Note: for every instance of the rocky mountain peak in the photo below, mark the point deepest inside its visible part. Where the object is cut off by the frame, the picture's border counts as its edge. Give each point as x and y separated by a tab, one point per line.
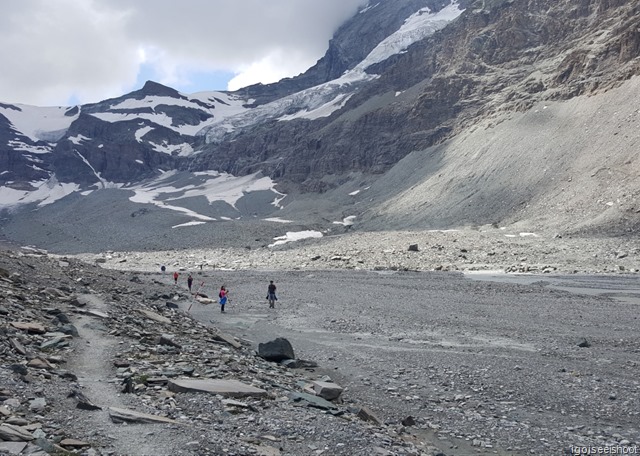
155	88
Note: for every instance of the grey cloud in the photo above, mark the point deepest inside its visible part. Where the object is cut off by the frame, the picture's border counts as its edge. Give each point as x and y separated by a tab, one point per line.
54	49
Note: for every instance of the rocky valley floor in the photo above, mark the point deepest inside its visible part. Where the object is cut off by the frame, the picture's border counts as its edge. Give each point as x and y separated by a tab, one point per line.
430	360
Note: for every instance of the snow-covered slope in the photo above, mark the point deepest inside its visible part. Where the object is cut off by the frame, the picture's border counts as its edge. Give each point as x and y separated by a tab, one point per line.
323	100
39	123
210	106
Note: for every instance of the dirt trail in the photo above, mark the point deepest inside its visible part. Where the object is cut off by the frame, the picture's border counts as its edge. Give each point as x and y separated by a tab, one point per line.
96	375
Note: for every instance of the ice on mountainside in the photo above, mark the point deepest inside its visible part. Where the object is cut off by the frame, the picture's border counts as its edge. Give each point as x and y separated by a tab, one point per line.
324	99
39	123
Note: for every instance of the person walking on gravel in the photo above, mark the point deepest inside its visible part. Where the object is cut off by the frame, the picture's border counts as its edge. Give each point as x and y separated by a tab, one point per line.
271	294
223	297
175	277
189	282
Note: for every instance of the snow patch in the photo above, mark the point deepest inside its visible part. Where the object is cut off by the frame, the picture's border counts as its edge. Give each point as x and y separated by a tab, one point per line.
46	192
39	123
18	145
364	10
417	27
347	221
78	139
293	236
219	105
277	220
141	132
212	185
324	110
194	223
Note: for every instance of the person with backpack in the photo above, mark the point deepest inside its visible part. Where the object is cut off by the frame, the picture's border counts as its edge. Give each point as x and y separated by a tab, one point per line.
189	282
175	277
271	295
223	297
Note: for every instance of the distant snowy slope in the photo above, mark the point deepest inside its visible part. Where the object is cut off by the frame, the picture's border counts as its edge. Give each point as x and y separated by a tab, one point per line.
39	123
204	107
172	190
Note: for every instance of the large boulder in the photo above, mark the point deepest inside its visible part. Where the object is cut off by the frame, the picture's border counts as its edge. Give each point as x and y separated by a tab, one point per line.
277	350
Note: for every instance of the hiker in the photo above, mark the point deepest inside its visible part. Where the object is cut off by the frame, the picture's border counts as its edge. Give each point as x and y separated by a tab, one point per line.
271	294
223	297
163	268
175	277
189	282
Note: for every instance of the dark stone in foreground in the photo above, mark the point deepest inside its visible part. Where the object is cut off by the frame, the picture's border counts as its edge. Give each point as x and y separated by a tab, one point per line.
276	350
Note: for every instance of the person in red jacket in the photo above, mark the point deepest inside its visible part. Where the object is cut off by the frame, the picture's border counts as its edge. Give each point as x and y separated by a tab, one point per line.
175	277
223	297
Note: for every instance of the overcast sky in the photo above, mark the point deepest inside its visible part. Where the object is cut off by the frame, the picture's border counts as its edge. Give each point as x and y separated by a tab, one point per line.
63	52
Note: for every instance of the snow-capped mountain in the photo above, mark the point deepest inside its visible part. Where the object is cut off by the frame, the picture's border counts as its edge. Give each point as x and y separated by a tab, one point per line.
409	120
118	142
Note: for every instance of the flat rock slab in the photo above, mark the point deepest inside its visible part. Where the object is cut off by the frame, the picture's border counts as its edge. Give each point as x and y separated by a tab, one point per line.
226	388
29	327
74	443
12	447
154	316
313	401
120	415
11	433
226	338
17	346
97	313
40	363
327	390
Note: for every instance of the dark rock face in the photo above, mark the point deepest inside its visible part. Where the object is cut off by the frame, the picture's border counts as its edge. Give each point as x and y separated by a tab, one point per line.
349	46
16	164
497	56
113	152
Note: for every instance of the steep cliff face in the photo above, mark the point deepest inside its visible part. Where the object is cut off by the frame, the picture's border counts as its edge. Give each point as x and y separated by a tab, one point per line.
497	56
349	46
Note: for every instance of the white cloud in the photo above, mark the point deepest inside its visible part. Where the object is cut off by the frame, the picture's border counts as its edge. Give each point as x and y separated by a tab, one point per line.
94	49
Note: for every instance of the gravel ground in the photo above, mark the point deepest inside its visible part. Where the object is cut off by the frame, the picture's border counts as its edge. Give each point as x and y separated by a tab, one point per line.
483	367
477	363
483	249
